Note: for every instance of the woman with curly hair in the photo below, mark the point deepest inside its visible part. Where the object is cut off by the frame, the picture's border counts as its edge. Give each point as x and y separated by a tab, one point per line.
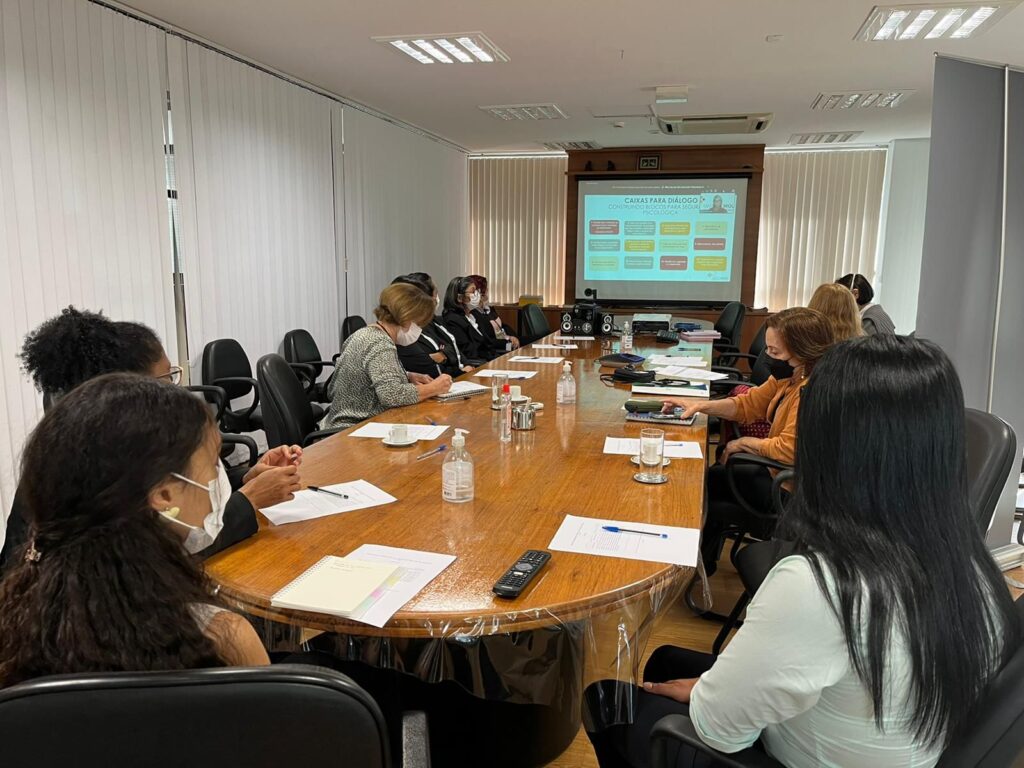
105	584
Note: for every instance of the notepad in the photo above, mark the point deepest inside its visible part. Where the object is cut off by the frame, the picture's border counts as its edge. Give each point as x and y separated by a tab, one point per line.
335	585
462	389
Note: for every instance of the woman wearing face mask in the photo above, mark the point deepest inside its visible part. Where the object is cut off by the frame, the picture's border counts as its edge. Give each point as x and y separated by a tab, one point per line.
461	298
368	377
795	340
103	552
501	336
76	346
435	352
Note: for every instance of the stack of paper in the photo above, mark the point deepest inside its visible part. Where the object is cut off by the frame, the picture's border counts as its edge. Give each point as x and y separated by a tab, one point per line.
511	374
628	540
707	335
417	431
674	449
528	359
309	505
689	374
414	570
335	585
555	346
462	389
660	361
693	390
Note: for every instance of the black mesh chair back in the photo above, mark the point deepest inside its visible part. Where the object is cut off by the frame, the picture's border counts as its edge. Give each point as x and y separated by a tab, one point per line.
300	347
209	718
287	414
351	324
991	449
532	324
730	322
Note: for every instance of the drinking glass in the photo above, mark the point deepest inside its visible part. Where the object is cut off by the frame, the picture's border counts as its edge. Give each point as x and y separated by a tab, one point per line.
498	382
652	454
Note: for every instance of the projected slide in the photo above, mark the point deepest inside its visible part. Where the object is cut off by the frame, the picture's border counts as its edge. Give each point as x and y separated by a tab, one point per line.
643	238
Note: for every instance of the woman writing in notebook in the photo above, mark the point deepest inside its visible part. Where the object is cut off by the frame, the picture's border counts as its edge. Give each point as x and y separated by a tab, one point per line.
105	583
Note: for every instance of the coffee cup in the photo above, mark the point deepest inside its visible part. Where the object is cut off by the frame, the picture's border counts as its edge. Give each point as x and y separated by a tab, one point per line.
398	433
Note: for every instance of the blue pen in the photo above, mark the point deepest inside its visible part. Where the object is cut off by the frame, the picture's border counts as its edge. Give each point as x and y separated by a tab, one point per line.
616	529
430	421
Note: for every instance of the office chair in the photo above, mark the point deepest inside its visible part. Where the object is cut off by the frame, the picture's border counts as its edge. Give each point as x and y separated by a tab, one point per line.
730	325
288	416
216	399
532	324
300	349
204	718
351	324
730	356
993	738
226	365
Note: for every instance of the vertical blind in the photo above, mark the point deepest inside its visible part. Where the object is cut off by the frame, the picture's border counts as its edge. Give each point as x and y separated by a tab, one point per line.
83	200
404	208
253	161
517	225
819	220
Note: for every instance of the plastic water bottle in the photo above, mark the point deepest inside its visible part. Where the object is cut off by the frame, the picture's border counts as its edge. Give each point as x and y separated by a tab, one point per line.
627	337
457	471
506	415
566	386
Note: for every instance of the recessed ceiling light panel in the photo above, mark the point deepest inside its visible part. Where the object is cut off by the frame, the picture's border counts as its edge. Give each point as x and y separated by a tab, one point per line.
955	21
567	146
883	99
824	137
458	48
526	112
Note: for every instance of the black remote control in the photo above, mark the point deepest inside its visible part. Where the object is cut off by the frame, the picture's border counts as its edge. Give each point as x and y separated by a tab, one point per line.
518	576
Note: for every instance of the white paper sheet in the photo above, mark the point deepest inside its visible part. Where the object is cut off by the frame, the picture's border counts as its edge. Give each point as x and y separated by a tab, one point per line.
674	449
417	569
460	389
527	359
380	430
584	535
309	505
555	346
574	338
511	374
685	361
692	374
700	390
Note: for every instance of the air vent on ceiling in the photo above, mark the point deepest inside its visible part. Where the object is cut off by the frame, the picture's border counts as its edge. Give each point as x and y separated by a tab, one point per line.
459	48
850	99
569	146
825	137
526	112
710	125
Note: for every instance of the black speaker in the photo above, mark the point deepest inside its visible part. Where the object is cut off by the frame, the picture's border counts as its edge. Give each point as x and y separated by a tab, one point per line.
607	324
566	324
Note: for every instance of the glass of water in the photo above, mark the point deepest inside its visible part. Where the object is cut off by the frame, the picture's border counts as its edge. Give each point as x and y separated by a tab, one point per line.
652	455
498	382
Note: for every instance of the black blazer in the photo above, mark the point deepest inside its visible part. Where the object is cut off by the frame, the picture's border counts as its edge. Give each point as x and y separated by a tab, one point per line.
415	358
239	524
484	320
473	343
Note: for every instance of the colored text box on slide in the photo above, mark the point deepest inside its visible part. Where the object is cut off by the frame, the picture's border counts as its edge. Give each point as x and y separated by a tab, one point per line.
604	263
604	227
605	246
675	227
709	243
639	228
712	227
710	263
670	263
639	262
674	245
641	246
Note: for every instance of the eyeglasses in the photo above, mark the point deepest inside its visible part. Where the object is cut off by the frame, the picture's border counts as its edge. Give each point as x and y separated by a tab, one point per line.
173	375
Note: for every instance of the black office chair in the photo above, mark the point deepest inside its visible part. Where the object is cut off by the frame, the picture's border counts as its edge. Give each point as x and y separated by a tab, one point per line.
205	718
730	325
226	365
288	416
994	737
729	357
350	325
216	399
300	348
532	324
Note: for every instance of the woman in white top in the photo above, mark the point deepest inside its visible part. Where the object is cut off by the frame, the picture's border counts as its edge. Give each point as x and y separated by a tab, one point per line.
120	473
872	644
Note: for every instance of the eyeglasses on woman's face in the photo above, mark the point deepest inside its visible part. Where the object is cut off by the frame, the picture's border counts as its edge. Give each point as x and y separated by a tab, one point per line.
173	375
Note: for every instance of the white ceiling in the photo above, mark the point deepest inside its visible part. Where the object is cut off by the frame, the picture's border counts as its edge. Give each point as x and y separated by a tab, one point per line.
584	54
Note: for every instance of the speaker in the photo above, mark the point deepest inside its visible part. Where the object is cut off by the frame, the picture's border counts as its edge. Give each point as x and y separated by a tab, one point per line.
607	324
566	324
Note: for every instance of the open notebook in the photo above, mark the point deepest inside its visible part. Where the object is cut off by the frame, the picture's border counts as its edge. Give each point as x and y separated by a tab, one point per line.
335	585
461	389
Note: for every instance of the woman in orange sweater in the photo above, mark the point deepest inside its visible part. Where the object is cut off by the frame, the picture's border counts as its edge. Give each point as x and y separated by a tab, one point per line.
795	340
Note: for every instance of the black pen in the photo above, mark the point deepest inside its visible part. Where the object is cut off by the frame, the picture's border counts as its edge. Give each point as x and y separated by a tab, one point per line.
324	490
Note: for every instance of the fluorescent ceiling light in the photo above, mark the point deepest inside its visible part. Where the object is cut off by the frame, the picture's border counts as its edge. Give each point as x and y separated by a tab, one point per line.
951	20
824	137
461	48
526	112
849	99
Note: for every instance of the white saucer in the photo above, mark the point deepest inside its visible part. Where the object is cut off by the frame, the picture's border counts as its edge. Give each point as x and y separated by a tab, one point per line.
519	400
636	460
404	444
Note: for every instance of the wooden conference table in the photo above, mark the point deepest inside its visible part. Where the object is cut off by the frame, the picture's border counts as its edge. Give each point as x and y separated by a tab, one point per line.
523	491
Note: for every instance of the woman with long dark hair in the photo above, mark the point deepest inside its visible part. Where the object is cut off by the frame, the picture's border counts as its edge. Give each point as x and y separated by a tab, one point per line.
460	301
435	352
105	583
876	641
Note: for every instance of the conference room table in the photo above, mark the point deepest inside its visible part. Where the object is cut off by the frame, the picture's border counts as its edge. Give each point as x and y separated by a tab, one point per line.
583	617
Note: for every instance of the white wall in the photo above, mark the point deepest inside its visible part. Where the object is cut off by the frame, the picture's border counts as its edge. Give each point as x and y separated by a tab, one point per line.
901	236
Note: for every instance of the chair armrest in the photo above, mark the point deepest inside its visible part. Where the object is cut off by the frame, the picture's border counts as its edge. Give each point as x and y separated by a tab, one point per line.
724	345
248	442
736	373
243	380
334	358
780	479
673	730
320	434
759	461
415	740
306	374
215	396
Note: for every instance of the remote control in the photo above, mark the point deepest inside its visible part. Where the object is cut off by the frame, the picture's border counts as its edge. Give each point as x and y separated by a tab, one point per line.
667	337
518	576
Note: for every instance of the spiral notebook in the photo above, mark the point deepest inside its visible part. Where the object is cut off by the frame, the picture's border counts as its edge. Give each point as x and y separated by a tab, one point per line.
462	389
335	585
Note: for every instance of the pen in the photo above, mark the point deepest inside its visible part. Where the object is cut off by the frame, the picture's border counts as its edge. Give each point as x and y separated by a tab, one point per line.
430	421
324	490
440	449
616	529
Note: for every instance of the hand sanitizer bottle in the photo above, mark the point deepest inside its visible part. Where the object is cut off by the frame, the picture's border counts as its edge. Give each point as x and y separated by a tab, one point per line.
457	471
566	386
627	338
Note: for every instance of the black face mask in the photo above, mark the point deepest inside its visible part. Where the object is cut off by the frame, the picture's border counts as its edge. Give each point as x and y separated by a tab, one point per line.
780	369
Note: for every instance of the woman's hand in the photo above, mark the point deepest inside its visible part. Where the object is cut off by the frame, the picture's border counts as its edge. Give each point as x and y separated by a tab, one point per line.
282	456
419	378
438	357
679	690
515	342
740	445
272	486
690	407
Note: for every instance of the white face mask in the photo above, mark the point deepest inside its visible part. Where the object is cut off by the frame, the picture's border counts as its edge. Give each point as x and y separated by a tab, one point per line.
407	336
437	302
474	300
219	489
